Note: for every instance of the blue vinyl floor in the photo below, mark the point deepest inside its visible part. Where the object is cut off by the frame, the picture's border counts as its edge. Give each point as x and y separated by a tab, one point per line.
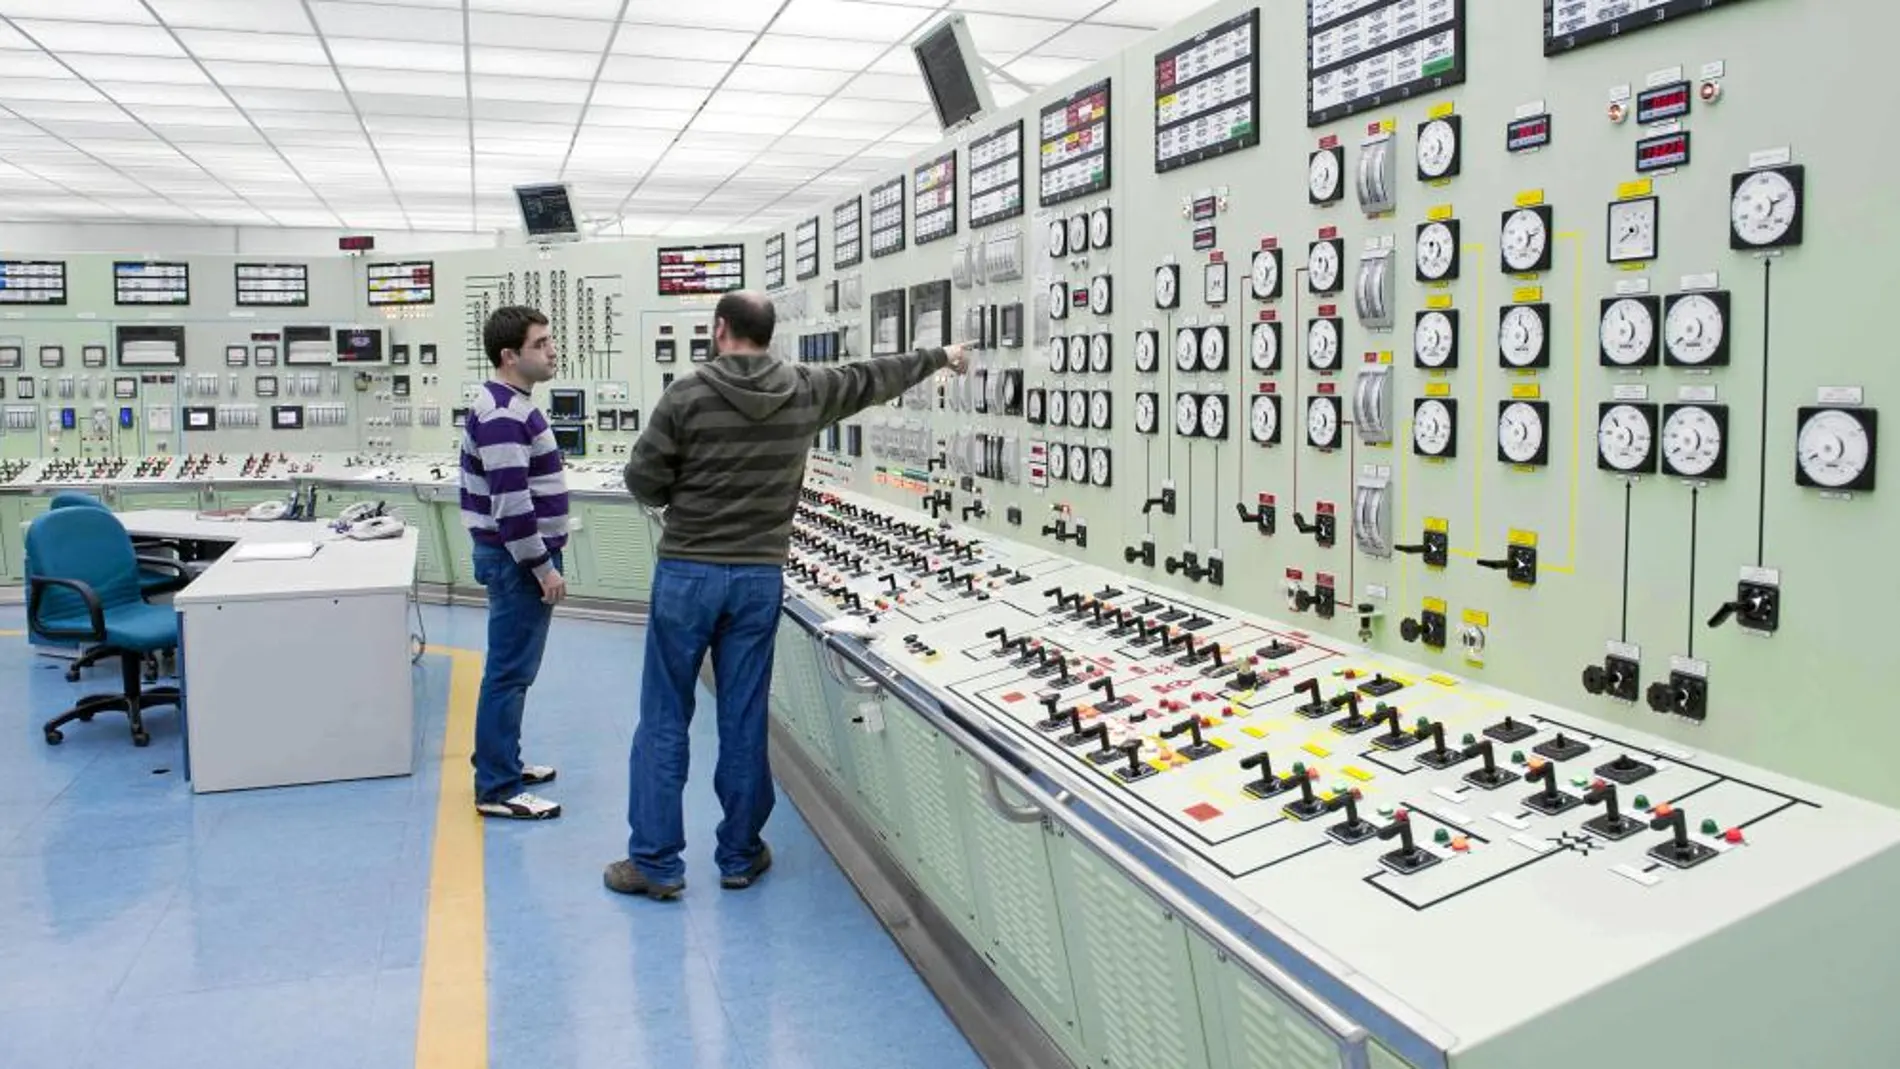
142	924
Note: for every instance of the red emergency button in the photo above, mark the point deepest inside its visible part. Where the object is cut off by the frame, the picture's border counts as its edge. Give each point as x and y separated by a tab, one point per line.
1733	835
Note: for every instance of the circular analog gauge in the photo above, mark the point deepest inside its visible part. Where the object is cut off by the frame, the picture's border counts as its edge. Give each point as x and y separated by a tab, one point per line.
1626	438
1058	239
1078	408
1437	149
1101	228
1187	413
1695	327
1146	418
1058	356
1263	418
1323	174
1147	354
1521	336
1526	241
1322	344
1692	442
1633	230
1266	274
1058	408
1167	285
1187	348
1835	449
1765	209
1078	353
1322	422
1432	427
1099	414
1058	300
1322	267
1100	295
1520	432
1011	390
1434	340
1032	406
1058	461
1078	233
1099	346
1628	333
1264	349
1437	253
1078	463
1214	415
1098	466
1214	349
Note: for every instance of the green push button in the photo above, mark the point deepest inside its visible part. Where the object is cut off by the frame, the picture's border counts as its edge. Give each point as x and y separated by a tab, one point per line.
1441	836
1710	827
1642	801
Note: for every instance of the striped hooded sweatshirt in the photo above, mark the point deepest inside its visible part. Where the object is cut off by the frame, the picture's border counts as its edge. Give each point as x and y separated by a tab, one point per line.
724	450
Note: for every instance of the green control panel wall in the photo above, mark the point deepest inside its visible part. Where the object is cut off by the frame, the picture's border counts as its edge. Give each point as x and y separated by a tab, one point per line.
1532	344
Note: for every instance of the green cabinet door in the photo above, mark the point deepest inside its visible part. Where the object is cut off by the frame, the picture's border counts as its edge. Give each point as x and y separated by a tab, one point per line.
619	554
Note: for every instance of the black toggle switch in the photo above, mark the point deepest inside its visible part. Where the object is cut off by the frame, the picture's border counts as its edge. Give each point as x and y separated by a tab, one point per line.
1268	784
1684	695
1315	706
1354	721
1562	748
1352	830
1679	850
1436	549
1550	801
1135	769
1757	607
1519	564
1055	720
1309	805
1105	753
1096	732
1198	748
1440	756
1408	858
1617	677
1262	517
1612	825
1625	770
1509	730
1490	777
1002	639
1395	737
1275	650
1323	528
1145	553
1166	501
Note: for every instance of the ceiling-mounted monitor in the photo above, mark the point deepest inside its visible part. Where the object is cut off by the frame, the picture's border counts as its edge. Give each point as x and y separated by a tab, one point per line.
953	72
547	212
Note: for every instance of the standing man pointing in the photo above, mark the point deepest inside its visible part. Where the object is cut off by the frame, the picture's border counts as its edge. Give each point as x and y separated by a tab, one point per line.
724	454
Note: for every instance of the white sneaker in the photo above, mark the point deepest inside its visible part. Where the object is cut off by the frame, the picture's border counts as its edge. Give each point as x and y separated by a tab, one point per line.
535	775
523	806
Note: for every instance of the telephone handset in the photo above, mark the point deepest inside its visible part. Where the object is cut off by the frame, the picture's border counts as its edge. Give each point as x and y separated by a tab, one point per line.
360	511
267	510
375	527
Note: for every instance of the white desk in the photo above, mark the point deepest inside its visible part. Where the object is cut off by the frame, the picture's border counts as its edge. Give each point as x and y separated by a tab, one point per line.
293	671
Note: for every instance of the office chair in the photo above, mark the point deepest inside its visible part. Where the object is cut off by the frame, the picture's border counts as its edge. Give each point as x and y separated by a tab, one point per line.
82	585
158	572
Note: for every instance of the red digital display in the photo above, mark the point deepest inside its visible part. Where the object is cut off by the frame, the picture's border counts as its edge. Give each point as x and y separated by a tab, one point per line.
1663	102
1525	134
1660	153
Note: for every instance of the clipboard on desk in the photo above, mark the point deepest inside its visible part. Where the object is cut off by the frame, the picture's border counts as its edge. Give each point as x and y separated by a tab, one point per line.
274	551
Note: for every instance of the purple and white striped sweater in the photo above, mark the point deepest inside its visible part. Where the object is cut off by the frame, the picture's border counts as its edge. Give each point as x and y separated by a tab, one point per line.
514	494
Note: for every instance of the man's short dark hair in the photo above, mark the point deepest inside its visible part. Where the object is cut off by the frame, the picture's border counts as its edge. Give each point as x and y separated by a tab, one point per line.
507	328
749	317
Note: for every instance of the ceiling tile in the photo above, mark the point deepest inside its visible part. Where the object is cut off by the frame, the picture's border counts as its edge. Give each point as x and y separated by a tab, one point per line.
1151	14
394	55
206	96
759	77
12	89
103	68
271	75
667	73
283	105
1041	70
364	80
607	95
849	20
875	113
673	42
118	38
750	15
541	30
442	106
908	87
1090	42
533	63
744	124
786	50
379	22
999	37
254	47
736	102
563	116
1054	9
542	89
233	15
306	119
614	121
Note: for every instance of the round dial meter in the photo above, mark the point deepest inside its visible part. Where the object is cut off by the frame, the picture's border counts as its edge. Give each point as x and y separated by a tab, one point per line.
1264	347
1058	356
1214	348
1187	348
1266	274
1078	233
1438	148
1078	408
1432	427
1101	228
1167	286
1322	344
1521	432
1214	415
1626	438
1628	333
1693	442
1521	336
1695	329
1765	208
1187	414
1322	267
1324	174
1835	449
1058	408
1437	255
1098	466
1147	351
1322	422
1526	241
1146	418
1099	351
1058	239
1435	340
1263	418
1078	463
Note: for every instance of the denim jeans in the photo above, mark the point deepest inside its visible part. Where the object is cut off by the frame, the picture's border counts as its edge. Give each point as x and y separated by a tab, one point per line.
733	611
517	633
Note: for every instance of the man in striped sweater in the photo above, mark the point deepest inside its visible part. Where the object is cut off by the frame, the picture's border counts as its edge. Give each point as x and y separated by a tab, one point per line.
514	504
724	454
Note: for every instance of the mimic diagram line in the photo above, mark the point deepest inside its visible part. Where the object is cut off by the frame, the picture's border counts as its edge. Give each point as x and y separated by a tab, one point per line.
1761	510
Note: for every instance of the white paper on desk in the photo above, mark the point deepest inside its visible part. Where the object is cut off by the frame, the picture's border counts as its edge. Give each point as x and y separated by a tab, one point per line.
274	551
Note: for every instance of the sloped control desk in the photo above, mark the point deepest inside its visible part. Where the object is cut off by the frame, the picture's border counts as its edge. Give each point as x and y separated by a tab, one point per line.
296	670
1268	848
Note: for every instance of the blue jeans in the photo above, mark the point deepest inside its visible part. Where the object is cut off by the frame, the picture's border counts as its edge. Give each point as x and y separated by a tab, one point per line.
517	633
732	610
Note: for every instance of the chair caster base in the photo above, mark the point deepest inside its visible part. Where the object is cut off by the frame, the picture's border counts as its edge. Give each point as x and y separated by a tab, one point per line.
54	737
140	738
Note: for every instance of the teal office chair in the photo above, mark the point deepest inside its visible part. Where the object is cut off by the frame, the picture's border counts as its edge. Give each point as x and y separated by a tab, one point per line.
82	585
159	571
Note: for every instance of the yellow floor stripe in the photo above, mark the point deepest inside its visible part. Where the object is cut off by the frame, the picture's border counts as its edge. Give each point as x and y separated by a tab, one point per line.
452	1027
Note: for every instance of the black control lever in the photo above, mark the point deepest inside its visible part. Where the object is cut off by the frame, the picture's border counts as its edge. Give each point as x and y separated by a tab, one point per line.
1002	637
1145	553
1166	501
1612	824
1267	785
1106	685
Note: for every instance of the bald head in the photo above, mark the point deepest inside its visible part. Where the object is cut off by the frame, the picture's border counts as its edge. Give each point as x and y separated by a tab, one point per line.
743	322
